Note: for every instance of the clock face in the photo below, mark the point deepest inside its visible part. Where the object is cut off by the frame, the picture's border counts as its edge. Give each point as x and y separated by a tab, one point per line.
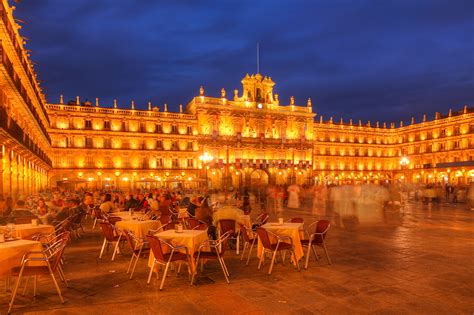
259	106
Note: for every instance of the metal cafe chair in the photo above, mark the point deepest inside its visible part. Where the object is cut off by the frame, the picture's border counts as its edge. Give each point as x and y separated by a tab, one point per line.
214	250
138	248
165	259
296	220
191	223
110	237
317	239
226	225
260	220
98	216
51	258
274	248
201	226
249	237
165	219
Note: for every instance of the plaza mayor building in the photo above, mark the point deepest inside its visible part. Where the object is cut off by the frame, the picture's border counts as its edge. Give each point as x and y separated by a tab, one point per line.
243	138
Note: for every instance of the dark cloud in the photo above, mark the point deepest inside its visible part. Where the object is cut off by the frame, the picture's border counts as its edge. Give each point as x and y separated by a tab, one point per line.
369	60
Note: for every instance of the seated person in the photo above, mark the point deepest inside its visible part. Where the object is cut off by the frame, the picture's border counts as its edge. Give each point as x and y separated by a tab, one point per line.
130	202
142	202
107	206
195	203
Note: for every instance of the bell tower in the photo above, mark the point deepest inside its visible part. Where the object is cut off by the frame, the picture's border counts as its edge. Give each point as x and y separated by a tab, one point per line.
257	88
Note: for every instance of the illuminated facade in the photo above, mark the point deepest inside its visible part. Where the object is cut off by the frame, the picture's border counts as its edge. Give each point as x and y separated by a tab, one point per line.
24	140
252	138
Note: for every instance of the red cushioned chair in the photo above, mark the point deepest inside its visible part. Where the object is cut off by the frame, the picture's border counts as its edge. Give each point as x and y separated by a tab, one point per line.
274	248
165	259
317	239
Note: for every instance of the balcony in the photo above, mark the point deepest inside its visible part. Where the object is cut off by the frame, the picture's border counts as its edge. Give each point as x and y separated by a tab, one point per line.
24	61
15	131
16	81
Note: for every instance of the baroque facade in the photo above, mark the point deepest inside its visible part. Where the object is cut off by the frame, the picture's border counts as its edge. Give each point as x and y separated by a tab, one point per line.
252	139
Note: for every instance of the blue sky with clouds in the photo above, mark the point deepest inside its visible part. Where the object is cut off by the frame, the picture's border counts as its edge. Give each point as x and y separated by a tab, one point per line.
360	59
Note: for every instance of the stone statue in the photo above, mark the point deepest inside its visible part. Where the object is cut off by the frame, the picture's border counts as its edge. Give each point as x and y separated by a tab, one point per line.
223	93
201	91
292	100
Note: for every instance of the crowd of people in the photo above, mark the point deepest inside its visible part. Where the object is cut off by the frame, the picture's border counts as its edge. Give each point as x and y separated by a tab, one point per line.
57	204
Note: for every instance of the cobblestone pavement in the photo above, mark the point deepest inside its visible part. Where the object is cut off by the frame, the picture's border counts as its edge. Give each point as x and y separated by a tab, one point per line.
418	260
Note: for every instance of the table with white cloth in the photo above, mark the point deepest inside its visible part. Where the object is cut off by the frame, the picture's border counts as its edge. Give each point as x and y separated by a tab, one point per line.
191	239
293	230
138	228
11	253
125	215
28	230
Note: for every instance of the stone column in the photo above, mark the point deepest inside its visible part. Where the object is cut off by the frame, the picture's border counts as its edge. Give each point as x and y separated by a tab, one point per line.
1	170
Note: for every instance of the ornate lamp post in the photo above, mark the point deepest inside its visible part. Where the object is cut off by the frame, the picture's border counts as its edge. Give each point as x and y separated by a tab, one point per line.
206	159
404	162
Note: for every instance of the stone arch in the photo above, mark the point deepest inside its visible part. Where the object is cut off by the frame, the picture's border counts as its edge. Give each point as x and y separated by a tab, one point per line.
259	178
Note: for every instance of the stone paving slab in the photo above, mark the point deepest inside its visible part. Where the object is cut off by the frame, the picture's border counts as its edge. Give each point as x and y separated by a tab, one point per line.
419	261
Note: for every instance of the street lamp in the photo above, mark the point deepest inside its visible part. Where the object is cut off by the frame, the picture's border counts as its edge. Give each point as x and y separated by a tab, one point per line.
206	158
404	161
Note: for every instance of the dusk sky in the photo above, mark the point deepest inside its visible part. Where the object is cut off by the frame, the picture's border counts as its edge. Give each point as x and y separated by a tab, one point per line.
369	60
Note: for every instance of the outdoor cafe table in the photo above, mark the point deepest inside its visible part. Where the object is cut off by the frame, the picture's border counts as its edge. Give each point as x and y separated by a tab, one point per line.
26	231
125	215
191	239
11	253
293	230
138	228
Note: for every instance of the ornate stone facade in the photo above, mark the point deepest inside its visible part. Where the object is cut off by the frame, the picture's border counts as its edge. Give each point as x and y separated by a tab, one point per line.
253	141
253	137
24	140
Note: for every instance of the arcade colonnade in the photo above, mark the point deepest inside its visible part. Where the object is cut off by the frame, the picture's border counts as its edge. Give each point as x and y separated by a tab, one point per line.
20	172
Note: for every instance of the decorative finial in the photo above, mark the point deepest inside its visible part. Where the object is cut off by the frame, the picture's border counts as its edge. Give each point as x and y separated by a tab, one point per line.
223	93
412	120
115	103
78	102
350	121
321	119
133	104
368	123
61	99
292	100
277	101
384	124
377	124
340	121
180	108
450	113
149	105
236	94
96	102
465	109
330	120
437	115
424	118
201	91
309	103
360	123
166	107
401	123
